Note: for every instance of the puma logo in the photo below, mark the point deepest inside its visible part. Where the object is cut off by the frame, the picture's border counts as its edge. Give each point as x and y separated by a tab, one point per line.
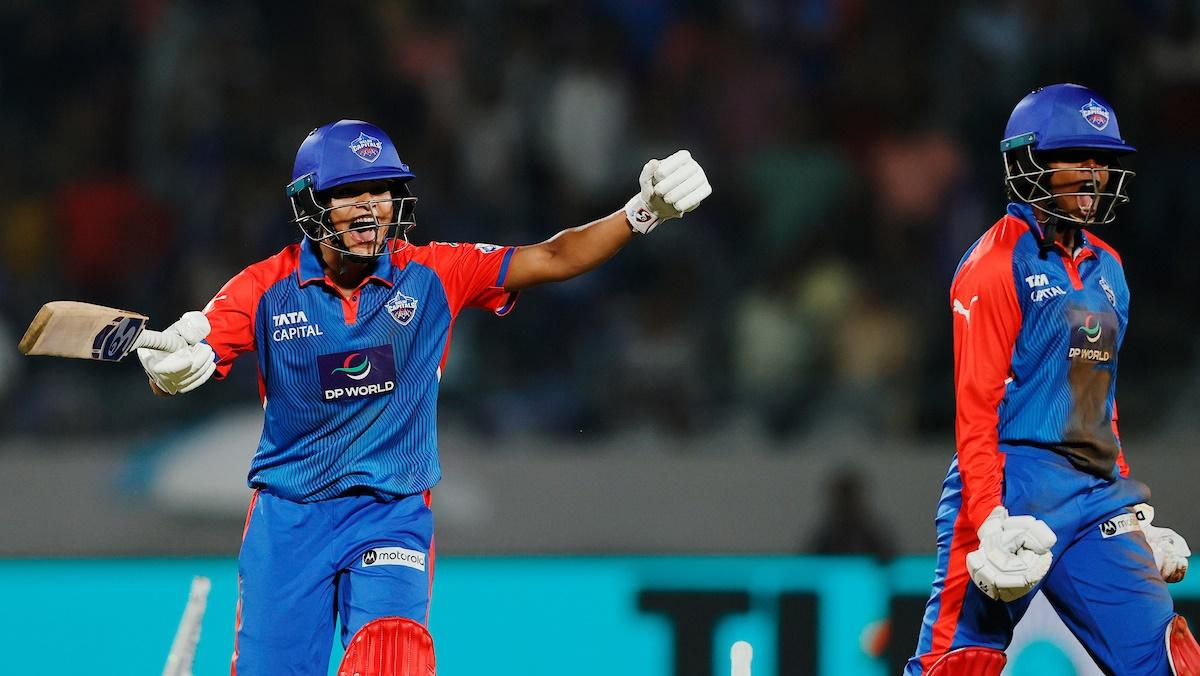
965	311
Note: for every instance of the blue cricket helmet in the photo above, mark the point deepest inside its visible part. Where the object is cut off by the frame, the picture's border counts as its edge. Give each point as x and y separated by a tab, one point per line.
1058	122
342	152
346	151
1064	116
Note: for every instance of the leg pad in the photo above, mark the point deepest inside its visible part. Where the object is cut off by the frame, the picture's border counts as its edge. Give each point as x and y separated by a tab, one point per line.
969	662
390	646
1182	650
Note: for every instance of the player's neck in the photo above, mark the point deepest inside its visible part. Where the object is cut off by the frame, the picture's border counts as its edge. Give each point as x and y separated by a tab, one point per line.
1068	238
345	273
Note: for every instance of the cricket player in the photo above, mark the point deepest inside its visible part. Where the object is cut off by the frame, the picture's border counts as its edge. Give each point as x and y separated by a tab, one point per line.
351	328
1039	495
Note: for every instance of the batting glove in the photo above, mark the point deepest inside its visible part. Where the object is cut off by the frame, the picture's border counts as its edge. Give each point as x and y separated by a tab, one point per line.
1013	555
1170	549
670	188
185	369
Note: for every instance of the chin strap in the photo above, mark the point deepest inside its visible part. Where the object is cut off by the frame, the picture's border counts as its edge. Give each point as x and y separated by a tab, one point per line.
1047	234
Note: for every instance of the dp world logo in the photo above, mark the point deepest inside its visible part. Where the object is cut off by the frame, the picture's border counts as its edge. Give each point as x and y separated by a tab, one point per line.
366	147
365	372
1091	328
355	371
1095	114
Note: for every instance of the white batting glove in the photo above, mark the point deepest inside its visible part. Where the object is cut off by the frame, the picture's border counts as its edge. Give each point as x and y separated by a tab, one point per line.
1170	549
186	369
670	188
1013	555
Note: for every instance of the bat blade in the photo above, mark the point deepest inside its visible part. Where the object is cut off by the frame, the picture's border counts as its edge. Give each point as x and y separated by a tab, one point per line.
67	328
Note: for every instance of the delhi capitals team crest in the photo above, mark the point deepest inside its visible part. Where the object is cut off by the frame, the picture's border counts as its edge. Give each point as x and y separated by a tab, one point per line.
1108	292
368	148
402	308
1095	114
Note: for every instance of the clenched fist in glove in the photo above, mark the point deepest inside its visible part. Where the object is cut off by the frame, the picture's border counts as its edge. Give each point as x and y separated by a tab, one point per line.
1170	549
185	369
670	188
1013	555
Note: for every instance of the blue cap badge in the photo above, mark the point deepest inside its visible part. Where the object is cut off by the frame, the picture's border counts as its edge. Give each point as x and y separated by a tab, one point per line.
1095	114
369	147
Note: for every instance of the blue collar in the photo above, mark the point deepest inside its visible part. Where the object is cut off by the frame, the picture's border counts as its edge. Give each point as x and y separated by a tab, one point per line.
1025	213
310	269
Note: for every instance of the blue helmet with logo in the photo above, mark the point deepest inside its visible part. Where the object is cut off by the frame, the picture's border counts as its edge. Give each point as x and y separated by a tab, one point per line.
1065	122
341	153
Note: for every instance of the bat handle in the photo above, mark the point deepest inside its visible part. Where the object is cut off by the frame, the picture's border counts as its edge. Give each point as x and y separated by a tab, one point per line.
157	340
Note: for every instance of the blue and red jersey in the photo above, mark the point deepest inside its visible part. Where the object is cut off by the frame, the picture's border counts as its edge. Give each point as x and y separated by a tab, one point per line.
349	384
1036	339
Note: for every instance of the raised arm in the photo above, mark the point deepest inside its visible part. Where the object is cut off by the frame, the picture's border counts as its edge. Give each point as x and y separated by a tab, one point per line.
669	189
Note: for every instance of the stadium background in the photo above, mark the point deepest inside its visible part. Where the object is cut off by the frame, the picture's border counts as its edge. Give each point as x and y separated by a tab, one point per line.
768	377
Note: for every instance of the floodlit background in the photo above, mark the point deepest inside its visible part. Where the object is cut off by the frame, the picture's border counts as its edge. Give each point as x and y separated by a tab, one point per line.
769	376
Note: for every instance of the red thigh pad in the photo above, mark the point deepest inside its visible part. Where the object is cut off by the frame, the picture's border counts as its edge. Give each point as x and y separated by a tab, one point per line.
1182	650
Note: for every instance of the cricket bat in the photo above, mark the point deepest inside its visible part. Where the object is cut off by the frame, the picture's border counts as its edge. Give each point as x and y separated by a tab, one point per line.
67	328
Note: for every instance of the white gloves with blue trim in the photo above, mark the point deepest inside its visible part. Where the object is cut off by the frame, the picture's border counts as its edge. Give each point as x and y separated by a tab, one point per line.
670	188
1013	555
186	369
1170	549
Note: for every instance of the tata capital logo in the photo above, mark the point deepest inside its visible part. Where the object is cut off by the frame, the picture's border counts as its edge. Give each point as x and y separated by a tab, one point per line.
1092	333
1095	114
357	372
366	147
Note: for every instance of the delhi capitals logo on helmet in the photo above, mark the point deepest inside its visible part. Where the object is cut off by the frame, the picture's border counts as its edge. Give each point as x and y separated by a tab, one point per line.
358	371
1092	333
402	308
368	148
1095	114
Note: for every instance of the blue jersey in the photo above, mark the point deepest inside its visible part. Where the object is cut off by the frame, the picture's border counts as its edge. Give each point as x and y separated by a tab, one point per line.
1036	339
1035	343
349	385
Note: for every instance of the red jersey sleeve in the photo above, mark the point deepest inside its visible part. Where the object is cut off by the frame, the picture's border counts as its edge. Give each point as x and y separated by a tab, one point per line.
987	319
232	311
473	275
231	315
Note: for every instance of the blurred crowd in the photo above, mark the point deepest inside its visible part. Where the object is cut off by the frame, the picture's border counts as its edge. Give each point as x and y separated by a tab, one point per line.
852	146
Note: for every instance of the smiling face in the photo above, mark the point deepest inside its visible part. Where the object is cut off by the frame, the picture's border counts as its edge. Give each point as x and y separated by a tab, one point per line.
361	213
1077	184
